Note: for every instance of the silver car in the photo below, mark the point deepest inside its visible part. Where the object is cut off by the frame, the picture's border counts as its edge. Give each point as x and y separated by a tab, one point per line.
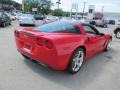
26	19
50	18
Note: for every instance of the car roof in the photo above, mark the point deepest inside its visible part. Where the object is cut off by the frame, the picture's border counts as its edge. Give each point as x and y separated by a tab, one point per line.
75	22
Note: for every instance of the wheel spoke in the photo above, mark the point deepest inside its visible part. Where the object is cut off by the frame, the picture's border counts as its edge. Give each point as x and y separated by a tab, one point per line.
78	60
74	67
109	45
118	34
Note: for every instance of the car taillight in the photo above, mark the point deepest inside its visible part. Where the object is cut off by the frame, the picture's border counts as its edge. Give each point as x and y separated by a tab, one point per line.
17	33
40	41
48	44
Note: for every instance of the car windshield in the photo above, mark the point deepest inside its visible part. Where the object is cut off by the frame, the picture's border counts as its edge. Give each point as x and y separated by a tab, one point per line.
55	27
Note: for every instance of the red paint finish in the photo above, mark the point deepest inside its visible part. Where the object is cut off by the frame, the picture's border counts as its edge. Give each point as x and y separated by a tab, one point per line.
55	49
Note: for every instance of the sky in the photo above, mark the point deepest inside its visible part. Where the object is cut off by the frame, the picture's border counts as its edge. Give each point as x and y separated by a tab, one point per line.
109	5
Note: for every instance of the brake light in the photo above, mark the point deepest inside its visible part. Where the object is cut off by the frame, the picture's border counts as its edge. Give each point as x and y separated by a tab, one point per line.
48	44
17	34
40	41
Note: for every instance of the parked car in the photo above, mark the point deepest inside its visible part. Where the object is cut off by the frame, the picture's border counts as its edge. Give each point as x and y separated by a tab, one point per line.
39	17
117	32
118	22
26	19
4	19
101	23
68	18
18	16
65	18
112	22
84	20
50	18
12	16
62	45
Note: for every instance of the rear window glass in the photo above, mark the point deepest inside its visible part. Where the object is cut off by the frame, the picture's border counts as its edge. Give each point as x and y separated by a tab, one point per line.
65	27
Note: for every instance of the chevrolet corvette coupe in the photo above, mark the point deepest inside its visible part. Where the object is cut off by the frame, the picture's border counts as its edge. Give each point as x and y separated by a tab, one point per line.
61	45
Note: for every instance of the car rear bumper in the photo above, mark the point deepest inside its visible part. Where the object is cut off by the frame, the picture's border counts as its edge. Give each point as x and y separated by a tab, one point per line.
45	56
31	22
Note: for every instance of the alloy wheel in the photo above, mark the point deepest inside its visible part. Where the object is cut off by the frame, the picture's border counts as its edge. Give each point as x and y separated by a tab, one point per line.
109	45
118	34
77	61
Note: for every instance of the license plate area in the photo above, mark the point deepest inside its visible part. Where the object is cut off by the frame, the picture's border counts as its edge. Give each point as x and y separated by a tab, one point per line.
28	47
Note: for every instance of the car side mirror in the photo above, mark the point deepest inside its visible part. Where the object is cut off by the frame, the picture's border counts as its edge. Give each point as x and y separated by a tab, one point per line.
101	34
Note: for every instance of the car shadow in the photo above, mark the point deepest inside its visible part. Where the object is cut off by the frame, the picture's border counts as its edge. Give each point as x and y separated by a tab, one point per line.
91	70
27	25
1	27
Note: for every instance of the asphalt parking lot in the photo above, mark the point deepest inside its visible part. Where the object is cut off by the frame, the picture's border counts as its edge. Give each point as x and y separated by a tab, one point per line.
101	72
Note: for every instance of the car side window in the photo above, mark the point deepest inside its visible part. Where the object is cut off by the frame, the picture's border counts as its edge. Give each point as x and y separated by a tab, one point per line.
72	29
6	16
89	30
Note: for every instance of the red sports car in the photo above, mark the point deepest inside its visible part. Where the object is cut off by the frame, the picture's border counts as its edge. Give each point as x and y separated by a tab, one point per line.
61	45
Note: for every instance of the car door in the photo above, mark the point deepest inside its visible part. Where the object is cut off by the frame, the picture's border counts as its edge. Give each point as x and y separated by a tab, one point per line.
6	18
101	37
95	40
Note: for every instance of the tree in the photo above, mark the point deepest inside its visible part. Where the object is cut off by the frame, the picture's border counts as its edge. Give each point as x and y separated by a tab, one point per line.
66	14
9	4
42	5
57	12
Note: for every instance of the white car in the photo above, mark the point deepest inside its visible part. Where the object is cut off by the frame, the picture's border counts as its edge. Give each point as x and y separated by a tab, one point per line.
18	16
50	18
102	23
117	22
26	19
12	16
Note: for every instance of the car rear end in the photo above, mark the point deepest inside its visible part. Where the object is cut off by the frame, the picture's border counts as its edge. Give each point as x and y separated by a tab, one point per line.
50	19
37	46
27	19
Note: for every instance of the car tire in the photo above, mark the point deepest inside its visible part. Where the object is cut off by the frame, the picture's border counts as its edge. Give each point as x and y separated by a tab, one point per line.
76	61
105	26
20	24
3	24
108	46
117	34
33	25
10	23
